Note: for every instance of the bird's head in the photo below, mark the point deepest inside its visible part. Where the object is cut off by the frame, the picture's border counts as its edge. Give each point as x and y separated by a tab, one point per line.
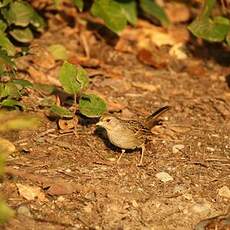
108	122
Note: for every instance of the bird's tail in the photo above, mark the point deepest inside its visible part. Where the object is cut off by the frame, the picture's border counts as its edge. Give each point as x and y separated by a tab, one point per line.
152	120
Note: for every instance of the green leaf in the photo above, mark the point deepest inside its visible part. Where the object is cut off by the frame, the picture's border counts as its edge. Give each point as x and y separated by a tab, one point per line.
7	45
79	4
5	212
20	13
73	79
207	9
16	121
9	90
22	35
228	38
3	26
47	101
23	83
4	3
91	105
38	22
111	12
212	30
222	20
129	9
152	9
58	51
11	103
61	111
5	59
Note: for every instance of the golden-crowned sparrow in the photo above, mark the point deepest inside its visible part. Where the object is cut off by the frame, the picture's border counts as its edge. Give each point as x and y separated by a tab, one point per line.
129	134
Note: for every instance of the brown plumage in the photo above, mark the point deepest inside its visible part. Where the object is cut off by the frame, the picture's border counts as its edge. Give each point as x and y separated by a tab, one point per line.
129	134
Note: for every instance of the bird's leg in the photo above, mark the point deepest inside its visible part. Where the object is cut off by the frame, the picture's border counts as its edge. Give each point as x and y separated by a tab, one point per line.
142	155
122	152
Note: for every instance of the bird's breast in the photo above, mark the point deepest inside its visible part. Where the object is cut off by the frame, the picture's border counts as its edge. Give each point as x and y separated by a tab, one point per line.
124	139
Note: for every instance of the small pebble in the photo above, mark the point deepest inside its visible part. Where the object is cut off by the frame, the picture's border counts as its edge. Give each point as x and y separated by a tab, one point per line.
210	149
61	199
179	189
201	208
224	192
135	204
177	148
23	210
88	208
164	177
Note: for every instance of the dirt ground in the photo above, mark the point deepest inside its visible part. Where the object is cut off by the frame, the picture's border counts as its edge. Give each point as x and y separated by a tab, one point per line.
75	178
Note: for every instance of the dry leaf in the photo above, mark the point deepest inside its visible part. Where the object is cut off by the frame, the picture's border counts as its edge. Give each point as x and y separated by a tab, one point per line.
61	188
156	59
64	124
146	86
177	12
178	51
31	192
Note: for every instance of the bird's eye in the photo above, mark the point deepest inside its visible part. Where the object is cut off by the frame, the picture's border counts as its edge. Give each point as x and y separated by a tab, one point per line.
108	120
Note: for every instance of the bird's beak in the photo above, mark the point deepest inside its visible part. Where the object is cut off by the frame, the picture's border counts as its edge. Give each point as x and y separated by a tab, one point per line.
100	123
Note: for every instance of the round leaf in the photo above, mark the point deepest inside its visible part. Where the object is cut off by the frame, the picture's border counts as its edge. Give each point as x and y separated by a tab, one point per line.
11	103
73	79
7	45
129	9
38	22
60	111
20	13
91	105
22	35
111	13
151	8
58	51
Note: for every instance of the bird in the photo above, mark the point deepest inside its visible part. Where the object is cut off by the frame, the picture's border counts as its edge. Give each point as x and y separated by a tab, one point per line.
130	134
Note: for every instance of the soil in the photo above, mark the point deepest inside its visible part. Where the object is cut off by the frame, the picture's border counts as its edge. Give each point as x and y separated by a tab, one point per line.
79	182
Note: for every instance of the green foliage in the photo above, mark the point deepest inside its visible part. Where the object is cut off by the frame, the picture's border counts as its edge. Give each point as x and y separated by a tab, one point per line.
151	9
91	105
117	13
129	9
214	29
6	45
17	19
5	212
6	63
61	111
11	92
79	4
75	81
22	35
58	51
110	11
